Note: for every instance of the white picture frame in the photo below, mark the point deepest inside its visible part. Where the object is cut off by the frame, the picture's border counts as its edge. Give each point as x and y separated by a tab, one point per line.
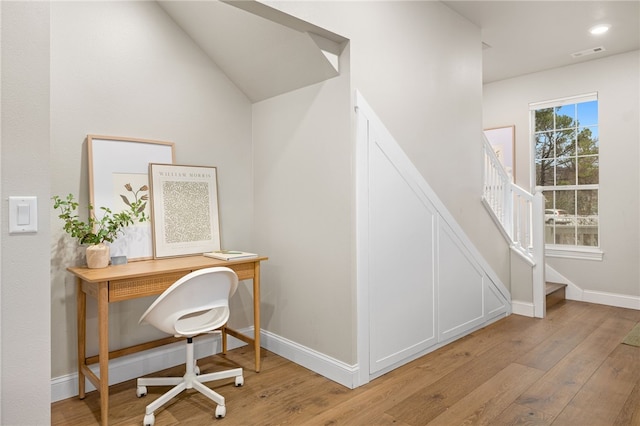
184	210
503	142
114	162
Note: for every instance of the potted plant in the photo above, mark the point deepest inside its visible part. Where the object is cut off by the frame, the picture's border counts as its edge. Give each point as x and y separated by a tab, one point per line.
96	231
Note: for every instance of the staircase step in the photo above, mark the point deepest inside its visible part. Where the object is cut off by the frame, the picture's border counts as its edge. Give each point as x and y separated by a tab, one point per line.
551	287
555	293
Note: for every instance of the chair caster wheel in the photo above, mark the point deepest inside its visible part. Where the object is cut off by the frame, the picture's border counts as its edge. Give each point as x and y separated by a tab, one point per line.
221	411
149	420
141	391
239	381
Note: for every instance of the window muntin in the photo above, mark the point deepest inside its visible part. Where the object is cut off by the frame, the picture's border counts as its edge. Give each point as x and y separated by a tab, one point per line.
567	148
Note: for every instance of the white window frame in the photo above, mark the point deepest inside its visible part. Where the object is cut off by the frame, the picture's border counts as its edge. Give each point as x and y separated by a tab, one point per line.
562	250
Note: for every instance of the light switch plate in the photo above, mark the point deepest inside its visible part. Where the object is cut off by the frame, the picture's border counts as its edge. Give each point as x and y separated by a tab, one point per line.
23	214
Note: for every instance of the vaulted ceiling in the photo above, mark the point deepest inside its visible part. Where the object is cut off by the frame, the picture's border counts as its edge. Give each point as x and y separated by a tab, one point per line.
263	57
266	52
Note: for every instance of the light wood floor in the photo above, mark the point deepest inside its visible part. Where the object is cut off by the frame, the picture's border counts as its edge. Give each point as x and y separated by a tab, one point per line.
568	369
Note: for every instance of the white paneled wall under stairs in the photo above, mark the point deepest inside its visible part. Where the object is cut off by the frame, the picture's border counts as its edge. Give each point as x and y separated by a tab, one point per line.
421	282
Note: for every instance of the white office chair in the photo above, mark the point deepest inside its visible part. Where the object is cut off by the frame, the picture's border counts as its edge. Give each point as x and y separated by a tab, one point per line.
197	303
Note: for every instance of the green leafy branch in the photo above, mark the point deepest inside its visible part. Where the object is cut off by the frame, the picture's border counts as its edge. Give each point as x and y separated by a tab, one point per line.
105	228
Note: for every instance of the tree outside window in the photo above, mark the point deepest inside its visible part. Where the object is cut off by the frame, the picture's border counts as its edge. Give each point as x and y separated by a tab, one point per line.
567	168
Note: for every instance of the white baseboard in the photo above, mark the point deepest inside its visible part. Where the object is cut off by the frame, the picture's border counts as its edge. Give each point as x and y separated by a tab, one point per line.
338	371
573	292
611	299
143	363
519	307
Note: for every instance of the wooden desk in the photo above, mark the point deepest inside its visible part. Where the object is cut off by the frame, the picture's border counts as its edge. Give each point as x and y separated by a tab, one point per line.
140	279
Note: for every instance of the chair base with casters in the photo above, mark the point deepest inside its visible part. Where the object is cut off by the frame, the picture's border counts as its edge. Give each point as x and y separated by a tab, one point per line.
195	304
191	380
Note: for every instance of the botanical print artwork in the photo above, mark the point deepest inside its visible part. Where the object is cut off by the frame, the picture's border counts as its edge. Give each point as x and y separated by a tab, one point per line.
139	198
132	190
128	189
113	163
186	207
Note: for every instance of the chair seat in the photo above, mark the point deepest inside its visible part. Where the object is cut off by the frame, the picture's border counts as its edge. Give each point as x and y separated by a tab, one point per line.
195	304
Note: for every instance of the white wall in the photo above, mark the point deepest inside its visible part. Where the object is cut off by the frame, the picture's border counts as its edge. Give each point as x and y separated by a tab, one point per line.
418	64
24	289
303	215
615	78
126	69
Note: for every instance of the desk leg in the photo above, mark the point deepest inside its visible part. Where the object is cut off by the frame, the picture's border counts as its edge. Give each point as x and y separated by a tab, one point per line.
256	313
81	308
103	349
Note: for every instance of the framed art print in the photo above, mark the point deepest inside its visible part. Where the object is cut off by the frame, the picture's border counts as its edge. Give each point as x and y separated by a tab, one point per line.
118	174
503	141
184	209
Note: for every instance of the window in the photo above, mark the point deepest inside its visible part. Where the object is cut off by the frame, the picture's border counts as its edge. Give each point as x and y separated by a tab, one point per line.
566	137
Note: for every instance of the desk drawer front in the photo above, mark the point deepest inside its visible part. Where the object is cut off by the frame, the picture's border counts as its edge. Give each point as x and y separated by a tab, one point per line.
244	270
141	287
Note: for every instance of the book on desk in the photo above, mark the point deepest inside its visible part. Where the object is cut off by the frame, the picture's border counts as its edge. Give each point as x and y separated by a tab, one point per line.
229	254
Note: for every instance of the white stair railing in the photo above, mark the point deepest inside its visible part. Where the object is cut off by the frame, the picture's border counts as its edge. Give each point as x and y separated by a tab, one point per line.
497	187
520	215
522	220
511	205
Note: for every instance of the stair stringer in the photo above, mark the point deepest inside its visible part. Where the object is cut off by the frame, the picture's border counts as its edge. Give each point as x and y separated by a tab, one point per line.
461	291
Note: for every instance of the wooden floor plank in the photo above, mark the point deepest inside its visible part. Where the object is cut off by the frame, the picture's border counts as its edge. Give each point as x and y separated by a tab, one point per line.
428	403
558	387
630	314
558	344
630	412
478	379
488	400
516	414
392	389
602	397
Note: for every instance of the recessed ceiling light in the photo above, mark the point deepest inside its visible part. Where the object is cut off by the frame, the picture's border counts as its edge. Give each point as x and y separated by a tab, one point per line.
599	29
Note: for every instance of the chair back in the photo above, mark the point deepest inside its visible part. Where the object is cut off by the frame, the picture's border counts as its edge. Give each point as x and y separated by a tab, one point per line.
195	304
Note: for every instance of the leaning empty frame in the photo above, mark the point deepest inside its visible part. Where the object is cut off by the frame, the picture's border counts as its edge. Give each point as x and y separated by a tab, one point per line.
114	163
